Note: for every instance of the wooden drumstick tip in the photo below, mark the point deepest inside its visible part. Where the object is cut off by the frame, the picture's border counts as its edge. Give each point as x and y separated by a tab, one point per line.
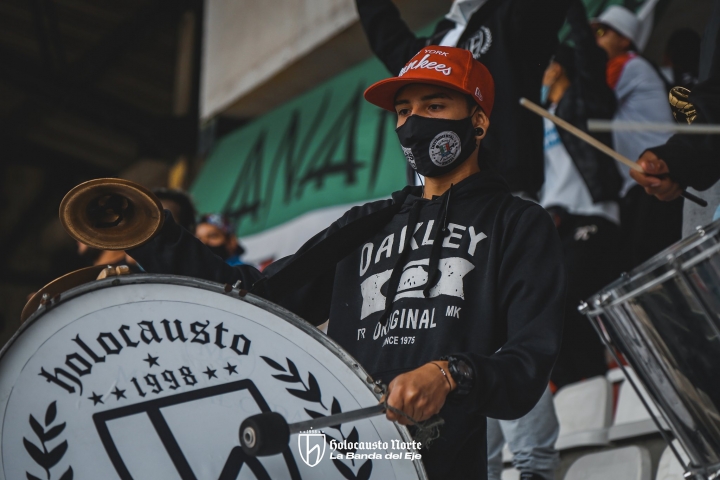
113	271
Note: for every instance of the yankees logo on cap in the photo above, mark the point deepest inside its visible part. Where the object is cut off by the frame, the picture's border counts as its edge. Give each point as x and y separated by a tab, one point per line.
444	66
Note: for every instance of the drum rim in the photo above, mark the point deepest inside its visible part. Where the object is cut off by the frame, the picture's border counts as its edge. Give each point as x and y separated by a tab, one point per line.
226	289
655	263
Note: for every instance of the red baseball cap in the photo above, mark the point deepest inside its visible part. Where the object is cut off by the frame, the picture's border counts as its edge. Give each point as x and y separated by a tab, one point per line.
444	66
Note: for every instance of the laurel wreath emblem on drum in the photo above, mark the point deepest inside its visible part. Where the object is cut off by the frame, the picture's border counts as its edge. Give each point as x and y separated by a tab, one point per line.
47	459
312	393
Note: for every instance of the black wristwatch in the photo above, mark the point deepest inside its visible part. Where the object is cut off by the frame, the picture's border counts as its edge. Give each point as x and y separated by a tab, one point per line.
462	373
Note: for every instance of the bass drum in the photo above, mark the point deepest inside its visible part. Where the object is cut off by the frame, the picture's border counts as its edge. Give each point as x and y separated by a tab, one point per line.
664	317
149	377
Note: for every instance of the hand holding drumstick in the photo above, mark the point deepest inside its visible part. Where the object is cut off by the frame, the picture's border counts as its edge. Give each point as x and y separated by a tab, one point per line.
655	179
649	168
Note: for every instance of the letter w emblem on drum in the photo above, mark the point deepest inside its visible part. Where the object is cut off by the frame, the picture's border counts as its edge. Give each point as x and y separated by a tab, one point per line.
311	447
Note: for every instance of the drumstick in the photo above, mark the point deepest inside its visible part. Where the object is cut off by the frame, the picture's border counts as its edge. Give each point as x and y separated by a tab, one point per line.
533	107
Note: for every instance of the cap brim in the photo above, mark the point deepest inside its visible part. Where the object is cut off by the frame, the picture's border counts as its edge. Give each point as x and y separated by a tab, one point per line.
383	92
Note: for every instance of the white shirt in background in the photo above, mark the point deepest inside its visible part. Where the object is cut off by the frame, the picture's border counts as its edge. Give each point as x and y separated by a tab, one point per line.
564	186
460	13
642	97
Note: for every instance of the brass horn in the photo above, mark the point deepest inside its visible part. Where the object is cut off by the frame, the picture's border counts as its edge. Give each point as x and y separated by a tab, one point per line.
111	214
682	109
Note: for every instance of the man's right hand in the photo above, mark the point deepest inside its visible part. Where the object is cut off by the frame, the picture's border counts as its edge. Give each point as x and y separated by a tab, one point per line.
665	188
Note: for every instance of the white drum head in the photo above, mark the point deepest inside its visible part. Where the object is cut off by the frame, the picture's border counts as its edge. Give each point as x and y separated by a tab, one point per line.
149	377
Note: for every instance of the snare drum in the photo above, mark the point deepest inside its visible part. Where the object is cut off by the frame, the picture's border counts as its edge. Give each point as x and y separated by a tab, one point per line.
665	318
149	377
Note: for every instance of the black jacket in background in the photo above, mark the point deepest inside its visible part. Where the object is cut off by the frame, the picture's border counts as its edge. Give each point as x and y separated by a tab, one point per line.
589	96
498	300
514	39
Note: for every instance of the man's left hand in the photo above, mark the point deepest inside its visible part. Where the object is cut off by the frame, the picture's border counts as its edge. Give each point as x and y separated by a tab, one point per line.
420	393
665	188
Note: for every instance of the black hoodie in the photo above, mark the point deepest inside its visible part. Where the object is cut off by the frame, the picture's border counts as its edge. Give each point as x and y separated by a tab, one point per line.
497	299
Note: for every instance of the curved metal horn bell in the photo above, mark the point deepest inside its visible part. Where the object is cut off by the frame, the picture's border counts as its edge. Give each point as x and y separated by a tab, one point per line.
111	214
682	109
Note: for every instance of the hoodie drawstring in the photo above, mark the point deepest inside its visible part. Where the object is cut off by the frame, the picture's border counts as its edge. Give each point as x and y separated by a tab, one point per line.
434	261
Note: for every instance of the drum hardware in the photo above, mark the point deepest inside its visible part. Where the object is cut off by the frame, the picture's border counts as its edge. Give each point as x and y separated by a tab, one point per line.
704	307
602	300
668	438
269	433
380	388
111	214
663	318
700	230
50	291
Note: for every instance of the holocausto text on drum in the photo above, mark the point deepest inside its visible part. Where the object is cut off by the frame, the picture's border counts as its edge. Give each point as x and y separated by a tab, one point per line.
80	361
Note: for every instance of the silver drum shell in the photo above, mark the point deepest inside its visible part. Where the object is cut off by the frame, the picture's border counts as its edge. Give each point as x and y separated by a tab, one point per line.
664	317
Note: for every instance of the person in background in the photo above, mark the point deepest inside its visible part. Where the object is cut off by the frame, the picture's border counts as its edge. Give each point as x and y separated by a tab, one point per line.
180	206
515	40
681	60
215	231
648	225
580	192
692	160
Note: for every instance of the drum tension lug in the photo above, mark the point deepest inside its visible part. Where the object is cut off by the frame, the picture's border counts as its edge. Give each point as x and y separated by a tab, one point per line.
237	287
380	387
602	300
583	307
45	299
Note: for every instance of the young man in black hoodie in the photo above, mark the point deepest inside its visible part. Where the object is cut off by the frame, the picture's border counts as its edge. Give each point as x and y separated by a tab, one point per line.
452	293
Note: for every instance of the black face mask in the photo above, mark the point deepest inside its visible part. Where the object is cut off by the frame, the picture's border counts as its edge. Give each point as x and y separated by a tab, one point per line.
435	146
220	251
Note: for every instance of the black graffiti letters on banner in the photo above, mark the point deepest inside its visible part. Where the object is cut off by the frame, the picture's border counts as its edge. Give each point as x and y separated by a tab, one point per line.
306	161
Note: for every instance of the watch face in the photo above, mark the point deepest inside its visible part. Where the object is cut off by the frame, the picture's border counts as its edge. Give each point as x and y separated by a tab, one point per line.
464	369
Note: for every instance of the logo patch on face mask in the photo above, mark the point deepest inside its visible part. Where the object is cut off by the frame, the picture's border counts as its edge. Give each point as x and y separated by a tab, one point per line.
409	156
445	148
